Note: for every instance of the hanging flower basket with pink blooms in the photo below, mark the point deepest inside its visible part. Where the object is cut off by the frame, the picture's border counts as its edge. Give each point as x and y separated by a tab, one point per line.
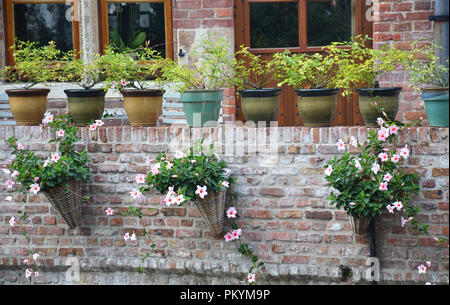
359	225
212	208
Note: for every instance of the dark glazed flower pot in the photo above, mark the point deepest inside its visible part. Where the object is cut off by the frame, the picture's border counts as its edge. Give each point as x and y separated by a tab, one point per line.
260	104
387	98
85	105
317	106
28	105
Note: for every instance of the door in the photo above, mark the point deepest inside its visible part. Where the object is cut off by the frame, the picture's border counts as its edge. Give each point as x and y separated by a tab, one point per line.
301	26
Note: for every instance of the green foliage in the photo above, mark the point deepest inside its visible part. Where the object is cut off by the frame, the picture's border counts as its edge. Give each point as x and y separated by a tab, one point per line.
361	66
34	64
360	184
72	165
134	42
303	71
185	172
424	67
132	68
205	74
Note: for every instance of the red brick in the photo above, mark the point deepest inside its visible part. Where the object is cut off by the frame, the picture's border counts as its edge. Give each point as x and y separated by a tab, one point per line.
295	259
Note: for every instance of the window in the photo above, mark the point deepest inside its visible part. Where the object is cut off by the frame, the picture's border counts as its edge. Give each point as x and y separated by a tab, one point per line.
40	21
136	23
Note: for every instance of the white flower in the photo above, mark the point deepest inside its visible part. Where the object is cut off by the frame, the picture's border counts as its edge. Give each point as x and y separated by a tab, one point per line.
109	211
390	209
9	184
60	133
35	256
35	188
251	277
28	272
15	174
46	162
429	264
383	157
136	194
328	170
126	236
398	205
133	236
375	168
36	273
48	118
179	155
140	178
6	171
93	127
169	200
201	191
383	186
353	141
12	221
55	157
357	164
170	192
380	121
340	144
393	129
231	212
236	233
422	269
99	123
387	177
8	198
351	204
169	165
395	158
179	199
404	152
225	184
383	134
20	146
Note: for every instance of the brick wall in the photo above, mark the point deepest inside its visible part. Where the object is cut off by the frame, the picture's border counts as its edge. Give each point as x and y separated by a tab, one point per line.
284	215
2	38
401	23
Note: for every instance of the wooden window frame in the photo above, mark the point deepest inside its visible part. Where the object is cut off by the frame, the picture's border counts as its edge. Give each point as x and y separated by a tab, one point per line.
104	28
8	17
302	26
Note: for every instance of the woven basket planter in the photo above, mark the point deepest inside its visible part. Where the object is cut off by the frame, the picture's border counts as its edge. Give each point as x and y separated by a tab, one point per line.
359	225
67	201
212	208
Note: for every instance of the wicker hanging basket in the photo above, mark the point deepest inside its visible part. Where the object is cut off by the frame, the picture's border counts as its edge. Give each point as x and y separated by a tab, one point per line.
67	200
212	208
359	225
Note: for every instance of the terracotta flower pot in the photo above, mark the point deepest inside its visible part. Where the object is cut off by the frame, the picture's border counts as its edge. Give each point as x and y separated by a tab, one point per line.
143	107
28	105
85	105
387	98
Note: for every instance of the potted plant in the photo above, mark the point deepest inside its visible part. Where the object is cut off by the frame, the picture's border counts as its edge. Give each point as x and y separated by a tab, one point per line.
34	64
197	176
200	84
59	175
130	72
311	76
360	67
88	103
432	79
373	182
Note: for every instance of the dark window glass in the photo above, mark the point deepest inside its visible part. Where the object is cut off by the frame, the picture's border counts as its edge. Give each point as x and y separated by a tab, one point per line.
274	25
329	21
43	23
131	25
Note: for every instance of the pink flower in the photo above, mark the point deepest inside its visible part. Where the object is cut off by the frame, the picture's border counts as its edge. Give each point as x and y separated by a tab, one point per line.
126	236
48	118
170	200
228	237
193	161
174	176
196	174
123	82
236	233
93	127
390	209
422	269
9	184
340	144
398	205
179	155
169	165
387	177
328	170
140	178
393	129
395	158
99	123
231	212
12	221
404	152
375	167
429	264
60	133
357	164
109	211
352	204
201	191
155	171
383	156
28	272
35	256
170	192
251	277
26	261
36	273
225	184
383	186
20	146
35	188
380	121
54	157
382	135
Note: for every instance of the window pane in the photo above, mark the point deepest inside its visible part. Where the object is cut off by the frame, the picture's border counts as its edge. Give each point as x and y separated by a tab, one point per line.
132	24
43	23
328	23
274	25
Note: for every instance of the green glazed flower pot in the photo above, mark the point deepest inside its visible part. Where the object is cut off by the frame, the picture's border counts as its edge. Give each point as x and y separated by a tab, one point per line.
436	106
201	107
387	98
260	104
85	105
317	106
